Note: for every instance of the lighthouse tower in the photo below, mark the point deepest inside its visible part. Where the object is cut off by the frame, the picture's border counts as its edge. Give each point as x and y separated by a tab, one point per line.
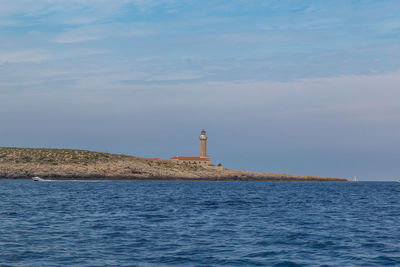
203	144
203	160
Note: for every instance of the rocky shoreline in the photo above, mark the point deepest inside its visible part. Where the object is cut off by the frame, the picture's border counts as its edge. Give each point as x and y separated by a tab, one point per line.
65	164
210	179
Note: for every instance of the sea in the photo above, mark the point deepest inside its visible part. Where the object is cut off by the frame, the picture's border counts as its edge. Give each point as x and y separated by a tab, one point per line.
175	223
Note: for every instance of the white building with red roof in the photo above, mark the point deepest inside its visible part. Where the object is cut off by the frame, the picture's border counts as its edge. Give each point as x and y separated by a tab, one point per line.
203	159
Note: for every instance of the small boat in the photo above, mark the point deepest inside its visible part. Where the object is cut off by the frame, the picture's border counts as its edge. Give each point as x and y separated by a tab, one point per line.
37	179
354	179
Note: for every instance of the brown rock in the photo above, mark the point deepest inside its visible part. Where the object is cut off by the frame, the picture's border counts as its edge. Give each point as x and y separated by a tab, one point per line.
24	163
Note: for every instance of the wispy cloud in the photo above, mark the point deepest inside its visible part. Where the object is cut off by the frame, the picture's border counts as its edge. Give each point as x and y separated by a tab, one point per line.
388	26
23	56
82	34
72	11
102	31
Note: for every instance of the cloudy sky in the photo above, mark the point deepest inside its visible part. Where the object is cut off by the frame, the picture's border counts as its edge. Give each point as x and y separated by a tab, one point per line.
300	87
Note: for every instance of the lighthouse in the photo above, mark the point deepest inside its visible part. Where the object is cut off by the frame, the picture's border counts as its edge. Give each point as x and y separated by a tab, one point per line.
203	144
203	160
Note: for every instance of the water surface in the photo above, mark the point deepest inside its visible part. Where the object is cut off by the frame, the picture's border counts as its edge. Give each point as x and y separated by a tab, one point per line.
199	224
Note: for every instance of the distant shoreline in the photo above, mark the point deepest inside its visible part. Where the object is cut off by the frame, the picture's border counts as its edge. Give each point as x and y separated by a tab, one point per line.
229	179
68	164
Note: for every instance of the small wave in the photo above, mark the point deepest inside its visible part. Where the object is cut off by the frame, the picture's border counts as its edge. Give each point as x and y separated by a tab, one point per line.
288	264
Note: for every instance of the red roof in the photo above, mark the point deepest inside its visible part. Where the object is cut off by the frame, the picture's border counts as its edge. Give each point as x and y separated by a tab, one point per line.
191	158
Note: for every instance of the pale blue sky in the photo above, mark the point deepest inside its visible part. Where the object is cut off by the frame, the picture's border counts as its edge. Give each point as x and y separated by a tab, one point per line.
303	87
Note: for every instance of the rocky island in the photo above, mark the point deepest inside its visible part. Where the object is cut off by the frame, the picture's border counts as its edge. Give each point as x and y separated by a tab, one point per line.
67	164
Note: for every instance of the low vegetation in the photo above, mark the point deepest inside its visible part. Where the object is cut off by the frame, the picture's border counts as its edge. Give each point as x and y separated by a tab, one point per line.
17	163
54	156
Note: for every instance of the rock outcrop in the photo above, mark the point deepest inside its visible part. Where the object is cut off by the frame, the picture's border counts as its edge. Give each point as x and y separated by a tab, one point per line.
24	163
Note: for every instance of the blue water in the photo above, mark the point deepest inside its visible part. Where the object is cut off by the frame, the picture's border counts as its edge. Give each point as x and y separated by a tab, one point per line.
199	224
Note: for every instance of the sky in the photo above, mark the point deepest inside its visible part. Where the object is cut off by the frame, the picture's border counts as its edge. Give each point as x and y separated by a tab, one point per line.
287	86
